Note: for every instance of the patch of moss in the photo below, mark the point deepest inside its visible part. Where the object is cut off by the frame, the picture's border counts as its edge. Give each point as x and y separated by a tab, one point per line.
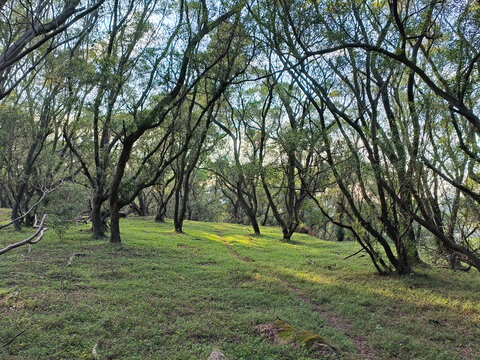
288	334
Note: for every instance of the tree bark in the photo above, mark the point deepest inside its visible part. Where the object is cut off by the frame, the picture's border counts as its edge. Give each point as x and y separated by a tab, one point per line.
17	225
114	218
160	217
249	210
98	226
265	218
254	223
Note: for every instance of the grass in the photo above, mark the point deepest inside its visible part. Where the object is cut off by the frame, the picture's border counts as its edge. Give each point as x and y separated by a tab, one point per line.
161	295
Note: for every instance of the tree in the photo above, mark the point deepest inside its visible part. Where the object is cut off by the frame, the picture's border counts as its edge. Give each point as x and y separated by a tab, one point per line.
362	42
32	30
287	154
238	175
221	62
162	194
34	156
106	78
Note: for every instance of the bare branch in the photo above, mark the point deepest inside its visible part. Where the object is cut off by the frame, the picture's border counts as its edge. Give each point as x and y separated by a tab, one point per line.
44	194
35	238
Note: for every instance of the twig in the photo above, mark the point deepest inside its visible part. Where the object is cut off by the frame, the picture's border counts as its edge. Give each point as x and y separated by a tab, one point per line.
358	252
11	340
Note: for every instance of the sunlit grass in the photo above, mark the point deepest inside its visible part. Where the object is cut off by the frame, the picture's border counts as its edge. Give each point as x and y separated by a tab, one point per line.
179	296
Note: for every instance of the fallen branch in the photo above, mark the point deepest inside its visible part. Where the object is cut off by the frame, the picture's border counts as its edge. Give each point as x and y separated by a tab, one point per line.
35	238
83	220
12	339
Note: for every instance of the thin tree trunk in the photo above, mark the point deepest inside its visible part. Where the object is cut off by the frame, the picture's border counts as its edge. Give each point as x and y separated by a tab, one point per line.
17	225
287	233
177	223
142	204
266	215
114	218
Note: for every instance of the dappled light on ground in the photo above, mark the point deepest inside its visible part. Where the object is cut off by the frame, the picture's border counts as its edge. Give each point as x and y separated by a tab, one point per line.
183	295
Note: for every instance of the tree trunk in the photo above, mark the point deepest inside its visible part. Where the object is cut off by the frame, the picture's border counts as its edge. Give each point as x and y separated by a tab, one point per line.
177	218
142	204
403	266
249	210
286	234
160	217
162	209
17	225
254	222
29	220
114	219
98	227
3	202
413	249
178	224
265	218
182	211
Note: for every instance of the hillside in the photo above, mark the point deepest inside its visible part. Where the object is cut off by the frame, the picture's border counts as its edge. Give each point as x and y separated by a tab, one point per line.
161	295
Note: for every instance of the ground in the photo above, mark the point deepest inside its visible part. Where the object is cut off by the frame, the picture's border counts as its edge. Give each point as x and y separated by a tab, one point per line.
161	295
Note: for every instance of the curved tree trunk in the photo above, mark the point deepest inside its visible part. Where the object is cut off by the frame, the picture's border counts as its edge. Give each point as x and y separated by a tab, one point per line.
249	210
254	223
160	216
265	218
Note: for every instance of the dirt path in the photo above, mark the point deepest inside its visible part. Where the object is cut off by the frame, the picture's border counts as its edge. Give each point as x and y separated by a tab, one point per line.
333	320
230	248
237	255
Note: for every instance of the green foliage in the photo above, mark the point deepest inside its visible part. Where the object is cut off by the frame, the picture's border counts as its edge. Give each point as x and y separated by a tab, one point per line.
63	206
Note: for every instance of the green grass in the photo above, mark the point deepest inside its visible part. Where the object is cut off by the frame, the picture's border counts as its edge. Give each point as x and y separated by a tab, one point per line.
161	295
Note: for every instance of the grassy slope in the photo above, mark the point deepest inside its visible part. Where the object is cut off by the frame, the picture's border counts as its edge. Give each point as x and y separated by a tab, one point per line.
167	296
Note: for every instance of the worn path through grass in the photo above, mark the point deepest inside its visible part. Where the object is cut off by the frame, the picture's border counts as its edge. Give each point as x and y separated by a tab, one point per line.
333	319
162	295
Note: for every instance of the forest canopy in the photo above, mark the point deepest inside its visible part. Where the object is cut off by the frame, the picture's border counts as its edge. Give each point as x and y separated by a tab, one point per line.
352	120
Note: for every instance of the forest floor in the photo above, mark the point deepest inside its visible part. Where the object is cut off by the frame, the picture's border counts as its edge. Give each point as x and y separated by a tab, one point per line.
162	295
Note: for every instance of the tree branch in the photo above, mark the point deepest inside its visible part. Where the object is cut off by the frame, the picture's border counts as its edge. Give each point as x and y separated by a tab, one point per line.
35	238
